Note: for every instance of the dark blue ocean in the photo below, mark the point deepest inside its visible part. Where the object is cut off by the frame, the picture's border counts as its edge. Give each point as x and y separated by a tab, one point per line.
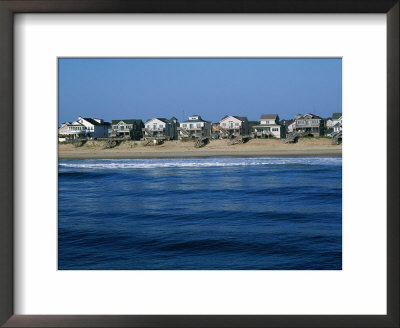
282	213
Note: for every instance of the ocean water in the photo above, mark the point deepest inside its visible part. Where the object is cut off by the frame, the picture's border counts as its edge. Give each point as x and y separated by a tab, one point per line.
281	213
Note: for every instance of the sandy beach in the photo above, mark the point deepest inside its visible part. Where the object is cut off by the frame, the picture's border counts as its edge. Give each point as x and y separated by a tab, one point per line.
170	149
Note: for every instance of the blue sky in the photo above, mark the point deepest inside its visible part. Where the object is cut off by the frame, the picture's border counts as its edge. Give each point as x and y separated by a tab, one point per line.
130	88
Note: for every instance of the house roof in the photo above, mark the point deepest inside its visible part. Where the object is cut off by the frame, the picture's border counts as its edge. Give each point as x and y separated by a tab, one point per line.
336	116
94	122
91	121
240	118
300	116
75	123
268	116
132	121
160	119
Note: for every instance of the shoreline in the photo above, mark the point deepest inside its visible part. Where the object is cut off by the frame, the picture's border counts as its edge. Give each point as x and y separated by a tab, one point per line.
191	154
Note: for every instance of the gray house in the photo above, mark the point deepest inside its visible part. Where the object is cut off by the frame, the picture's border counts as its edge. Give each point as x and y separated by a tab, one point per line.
309	123
127	129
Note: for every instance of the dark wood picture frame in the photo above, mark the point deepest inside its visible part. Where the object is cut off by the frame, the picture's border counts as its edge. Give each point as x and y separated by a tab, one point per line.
7	10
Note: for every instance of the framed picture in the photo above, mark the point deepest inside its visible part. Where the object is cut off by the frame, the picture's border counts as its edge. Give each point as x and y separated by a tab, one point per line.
45	271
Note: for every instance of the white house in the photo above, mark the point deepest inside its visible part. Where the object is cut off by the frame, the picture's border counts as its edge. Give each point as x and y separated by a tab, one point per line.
233	126
194	127
337	122
291	126
161	128
84	127
269	127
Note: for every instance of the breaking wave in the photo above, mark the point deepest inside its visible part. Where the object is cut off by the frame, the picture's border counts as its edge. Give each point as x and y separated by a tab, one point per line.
197	162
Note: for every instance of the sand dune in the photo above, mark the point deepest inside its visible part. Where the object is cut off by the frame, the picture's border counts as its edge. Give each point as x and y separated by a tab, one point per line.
254	147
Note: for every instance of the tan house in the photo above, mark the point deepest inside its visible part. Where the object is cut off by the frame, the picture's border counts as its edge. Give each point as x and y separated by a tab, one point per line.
328	123
194	127
309	123
269	127
233	126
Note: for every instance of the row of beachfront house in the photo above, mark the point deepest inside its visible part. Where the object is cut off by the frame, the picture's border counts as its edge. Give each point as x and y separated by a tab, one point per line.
229	126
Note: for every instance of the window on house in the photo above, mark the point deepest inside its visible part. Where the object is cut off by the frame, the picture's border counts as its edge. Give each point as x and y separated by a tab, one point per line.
223	124
184	125
236	124
198	125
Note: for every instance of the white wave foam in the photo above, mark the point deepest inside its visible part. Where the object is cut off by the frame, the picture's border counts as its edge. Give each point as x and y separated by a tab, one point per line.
194	162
